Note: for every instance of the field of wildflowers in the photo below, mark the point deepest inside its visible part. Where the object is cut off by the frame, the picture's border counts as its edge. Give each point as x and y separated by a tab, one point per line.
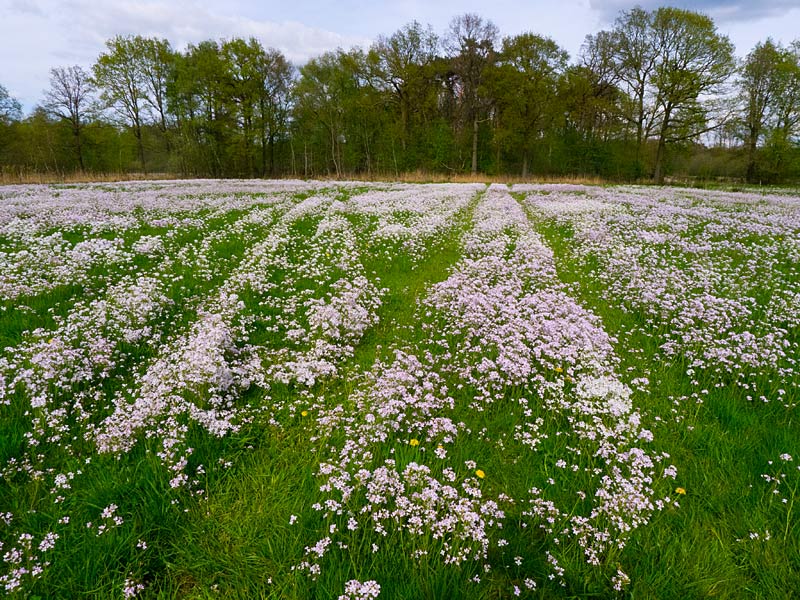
343	390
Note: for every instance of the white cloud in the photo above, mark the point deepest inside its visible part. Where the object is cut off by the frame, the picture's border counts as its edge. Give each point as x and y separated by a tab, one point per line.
36	35
720	10
183	22
25	7
51	33
746	34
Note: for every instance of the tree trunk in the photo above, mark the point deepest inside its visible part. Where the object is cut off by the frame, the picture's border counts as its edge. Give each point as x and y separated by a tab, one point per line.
137	131
164	131
639	136
333	152
524	163
271	154
263	153
404	119
658	172
475	145
248	147
751	157
78	148
394	159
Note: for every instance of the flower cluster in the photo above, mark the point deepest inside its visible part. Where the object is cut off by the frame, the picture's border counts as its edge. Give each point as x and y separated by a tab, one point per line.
500	329
676	257
23	559
357	590
498	399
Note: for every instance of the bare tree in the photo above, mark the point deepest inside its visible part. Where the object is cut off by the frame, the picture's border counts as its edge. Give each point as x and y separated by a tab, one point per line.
69	98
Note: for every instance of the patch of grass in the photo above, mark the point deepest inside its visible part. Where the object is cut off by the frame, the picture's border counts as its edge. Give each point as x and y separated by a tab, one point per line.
239	542
240	530
720	442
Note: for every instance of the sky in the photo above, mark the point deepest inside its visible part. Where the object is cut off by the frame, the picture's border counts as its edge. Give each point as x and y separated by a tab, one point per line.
37	35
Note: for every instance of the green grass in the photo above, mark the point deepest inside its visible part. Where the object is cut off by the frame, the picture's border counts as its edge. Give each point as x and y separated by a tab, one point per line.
721	448
276	478
89	566
231	535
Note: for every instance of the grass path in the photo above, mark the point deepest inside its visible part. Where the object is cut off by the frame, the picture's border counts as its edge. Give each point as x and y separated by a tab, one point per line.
239	541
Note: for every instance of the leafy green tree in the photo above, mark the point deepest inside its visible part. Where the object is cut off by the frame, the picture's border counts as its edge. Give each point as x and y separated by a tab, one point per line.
693	62
244	68
470	44
338	112
633	50
671	66
199	98
588	91
37	143
156	60
274	104
524	87
762	78
655	81
258	83
132	76
786	126
117	73
404	67
319	111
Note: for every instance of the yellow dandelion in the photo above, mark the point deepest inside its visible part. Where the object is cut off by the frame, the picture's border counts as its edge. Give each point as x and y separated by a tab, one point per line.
559	370
303	413
680	490
480	474
413	442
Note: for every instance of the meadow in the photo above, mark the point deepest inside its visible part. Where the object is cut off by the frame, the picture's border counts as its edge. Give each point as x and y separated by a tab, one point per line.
349	390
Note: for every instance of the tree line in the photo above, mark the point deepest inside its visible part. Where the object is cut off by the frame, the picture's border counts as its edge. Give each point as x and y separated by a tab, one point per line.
660	92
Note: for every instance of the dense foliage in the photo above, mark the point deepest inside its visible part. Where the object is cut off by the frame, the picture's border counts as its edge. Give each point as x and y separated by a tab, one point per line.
658	93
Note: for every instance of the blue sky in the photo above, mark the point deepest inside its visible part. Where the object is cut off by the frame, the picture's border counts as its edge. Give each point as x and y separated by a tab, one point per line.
36	35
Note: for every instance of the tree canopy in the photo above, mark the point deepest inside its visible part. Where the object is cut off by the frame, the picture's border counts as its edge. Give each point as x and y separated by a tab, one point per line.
658	93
